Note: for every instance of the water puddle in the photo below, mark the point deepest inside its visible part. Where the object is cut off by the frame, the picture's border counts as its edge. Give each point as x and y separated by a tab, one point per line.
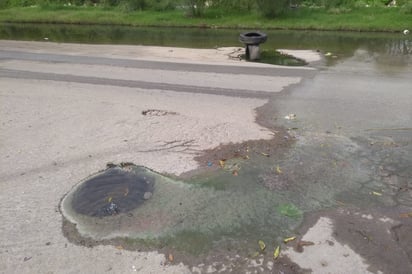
351	126
265	199
222	208
277	58
114	191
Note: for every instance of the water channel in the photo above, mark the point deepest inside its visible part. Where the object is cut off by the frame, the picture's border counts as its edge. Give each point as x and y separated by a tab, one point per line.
352	132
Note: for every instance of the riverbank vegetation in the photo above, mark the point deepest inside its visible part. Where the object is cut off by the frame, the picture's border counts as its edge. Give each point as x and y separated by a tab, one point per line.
359	15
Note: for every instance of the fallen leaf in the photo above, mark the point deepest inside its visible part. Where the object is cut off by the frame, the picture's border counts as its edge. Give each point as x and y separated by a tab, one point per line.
276	252
171	257
235	173
262	245
109	200
222	163
406	215
119	247
299	246
254	254
265	154
287	240
278	170
340	202
376	193
306	243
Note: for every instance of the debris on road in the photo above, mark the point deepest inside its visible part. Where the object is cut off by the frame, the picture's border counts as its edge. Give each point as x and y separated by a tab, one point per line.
278	170
299	246
290	116
276	253
406	215
262	245
289	239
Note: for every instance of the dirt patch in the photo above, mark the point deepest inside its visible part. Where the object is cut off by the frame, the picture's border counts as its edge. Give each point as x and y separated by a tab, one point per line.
157	112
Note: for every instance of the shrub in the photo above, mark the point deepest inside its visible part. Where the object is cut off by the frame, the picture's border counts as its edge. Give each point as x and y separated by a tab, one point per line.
196	7
272	8
407	7
230	5
132	5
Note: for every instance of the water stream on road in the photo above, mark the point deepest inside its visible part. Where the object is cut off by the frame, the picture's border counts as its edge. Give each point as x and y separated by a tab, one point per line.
353	143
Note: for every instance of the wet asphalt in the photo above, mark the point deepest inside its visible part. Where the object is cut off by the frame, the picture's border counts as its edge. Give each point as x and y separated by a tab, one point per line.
353	125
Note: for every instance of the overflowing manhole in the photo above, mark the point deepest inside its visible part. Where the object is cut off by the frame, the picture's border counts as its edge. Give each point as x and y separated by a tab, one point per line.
265	199
135	203
113	191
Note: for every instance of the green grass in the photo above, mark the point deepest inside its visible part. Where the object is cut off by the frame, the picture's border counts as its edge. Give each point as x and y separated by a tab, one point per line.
361	19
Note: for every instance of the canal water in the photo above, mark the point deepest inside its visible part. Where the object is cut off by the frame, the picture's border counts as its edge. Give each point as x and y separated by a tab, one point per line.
341	44
352	126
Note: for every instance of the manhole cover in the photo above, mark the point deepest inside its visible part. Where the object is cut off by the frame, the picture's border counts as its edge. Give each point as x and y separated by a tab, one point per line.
113	191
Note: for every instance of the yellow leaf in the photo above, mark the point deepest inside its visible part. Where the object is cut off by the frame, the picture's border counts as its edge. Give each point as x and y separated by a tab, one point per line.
222	163
171	257
109	199
376	193
405	215
276	253
278	170
254	254
262	245
287	240
119	247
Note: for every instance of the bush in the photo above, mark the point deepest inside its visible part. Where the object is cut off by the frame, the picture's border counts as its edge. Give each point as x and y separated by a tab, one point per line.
407	7
272	8
132	5
230	5
161	5
338	3
16	3
196	7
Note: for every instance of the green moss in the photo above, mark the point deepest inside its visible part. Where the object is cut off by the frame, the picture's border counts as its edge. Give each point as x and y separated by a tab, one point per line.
289	210
191	242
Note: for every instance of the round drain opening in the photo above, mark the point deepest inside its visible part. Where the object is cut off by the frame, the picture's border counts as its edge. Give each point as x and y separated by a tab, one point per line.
113	191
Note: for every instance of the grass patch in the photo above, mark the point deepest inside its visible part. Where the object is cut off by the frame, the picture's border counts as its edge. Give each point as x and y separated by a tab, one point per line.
359	19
